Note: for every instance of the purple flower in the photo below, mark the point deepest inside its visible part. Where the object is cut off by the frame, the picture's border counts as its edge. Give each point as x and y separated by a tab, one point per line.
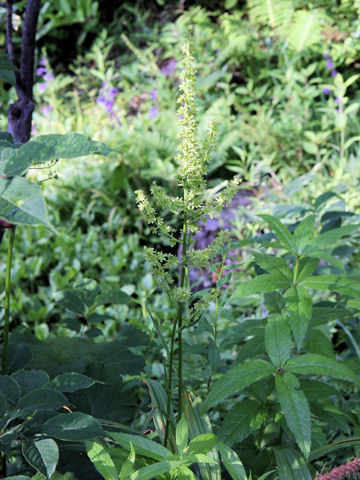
338	100
47	76
153	95
326	56
329	65
153	112
107	97
41	71
334	72
169	67
45	110
326	90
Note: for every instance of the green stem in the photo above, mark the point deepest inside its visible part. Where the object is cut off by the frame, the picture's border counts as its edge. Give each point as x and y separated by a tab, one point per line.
296	271
169	382
7	301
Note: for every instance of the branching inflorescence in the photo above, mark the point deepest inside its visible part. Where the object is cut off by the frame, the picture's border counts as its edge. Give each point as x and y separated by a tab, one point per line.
191	208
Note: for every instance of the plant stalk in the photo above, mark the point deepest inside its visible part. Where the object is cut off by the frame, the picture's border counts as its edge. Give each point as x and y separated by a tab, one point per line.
7	301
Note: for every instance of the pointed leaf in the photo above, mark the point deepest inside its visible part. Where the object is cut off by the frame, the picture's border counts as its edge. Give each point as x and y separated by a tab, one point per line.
238	378
41	399
307	266
201	444
70	382
143	446
328	238
272	264
10	389
291	465
70	145
298	304
305	229
334	283
30	380
182	435
296	410
101	460
21	202
128	466
43	455
18	160
282	233
312	363
278	340
232	462
152	471
261	284
73	427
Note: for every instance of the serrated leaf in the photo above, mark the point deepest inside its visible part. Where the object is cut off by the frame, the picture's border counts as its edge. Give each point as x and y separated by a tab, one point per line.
240	421
261	284
43	455
21	202
238	378
282	233
304	231
296	410
274	302
101	460
143	446
298	303
10	389
328	238
307	266
291	465
327	257
334	283
272	264
70	382
278	340
182	434
312	363
73	427
232	462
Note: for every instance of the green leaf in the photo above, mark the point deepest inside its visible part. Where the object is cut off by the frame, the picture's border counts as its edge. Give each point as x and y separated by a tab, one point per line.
18	160
282	233
7	76
328	238
312	363
232	462
70	145
21	202
274	302
152	471
291	465
335	283
114	296
238	378
298	304
272	264
325	449
143	446
182	435
128	466
240	421
72	301
73	427
307	266
304	231
296	410
43	455
42	399
261	284
29	380
201	444
70	382
278	340
10	389
101	460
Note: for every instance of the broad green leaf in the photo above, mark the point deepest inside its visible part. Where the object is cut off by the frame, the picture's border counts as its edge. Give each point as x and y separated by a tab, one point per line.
296	409
261	284
238	378
10	388
151	471
291	465
30	380
278	340
7	76
73	427
43	455
7	137
311	363
101	460
244	418
282	233
198	458
182	434
327	257
17	161
114	296
328	238
72	301
334	283
128	465
272	264
303	232
307	266
70	145
143	446
324	197
2	405
41	399
354	303
201	444
274	302
298	305
70	382
232	462
21	202
324	450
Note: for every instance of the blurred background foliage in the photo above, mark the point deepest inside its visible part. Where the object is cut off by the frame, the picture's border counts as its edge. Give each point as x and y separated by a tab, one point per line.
281	78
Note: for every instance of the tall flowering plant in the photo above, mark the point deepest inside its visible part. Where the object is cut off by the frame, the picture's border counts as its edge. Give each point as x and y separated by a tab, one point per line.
191	208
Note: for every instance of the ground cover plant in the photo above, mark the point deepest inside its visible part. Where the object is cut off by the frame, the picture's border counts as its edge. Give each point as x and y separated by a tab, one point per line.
246	366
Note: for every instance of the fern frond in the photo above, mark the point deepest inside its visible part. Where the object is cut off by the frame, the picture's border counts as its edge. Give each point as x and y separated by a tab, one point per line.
305	29
270	12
